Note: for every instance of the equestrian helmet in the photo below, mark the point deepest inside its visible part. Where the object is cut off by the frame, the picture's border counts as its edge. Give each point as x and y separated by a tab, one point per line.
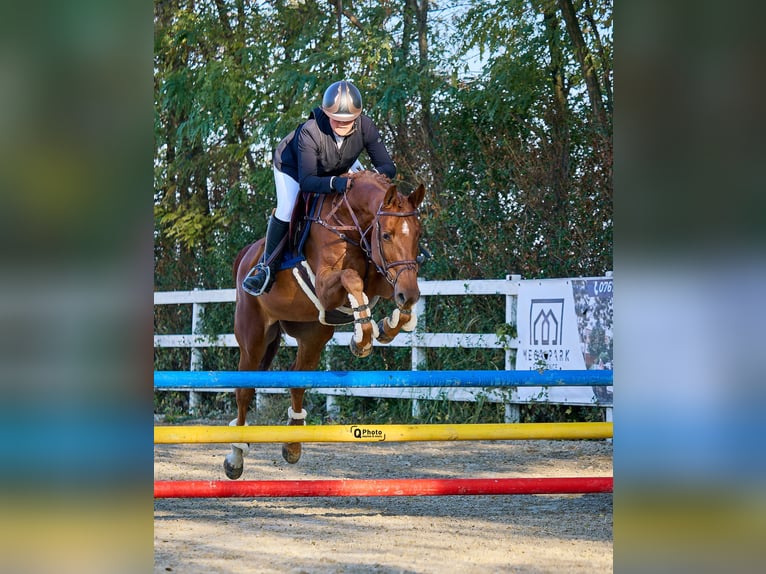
342	101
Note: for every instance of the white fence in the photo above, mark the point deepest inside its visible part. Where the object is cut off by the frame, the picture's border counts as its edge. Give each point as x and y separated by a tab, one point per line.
418	341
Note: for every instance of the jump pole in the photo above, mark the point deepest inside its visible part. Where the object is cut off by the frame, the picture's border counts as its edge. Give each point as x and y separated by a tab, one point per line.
381	433
374	379
387	487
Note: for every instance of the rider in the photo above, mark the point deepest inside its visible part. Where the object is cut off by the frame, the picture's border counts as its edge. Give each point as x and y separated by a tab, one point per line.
311	159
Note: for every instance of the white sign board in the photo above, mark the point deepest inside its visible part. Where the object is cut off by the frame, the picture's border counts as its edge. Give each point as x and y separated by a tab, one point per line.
565	324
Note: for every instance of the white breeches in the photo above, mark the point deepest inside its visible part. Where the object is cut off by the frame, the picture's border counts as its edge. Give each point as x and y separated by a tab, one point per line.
287	192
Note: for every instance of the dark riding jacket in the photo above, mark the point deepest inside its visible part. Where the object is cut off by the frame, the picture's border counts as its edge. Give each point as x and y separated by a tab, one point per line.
310	154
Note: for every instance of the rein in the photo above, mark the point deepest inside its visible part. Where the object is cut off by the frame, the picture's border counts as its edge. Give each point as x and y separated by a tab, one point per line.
336	229
363	243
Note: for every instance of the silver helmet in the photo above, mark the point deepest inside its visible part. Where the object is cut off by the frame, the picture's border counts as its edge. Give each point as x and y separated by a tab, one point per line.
342	101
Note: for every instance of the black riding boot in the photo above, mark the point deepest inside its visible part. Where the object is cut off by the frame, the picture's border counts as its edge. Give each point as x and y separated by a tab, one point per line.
261	277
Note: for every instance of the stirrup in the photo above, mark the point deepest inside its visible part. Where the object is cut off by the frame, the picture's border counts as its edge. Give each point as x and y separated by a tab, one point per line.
258	280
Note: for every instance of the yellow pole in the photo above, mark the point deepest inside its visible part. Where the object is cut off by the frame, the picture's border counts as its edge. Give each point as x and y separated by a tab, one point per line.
380	433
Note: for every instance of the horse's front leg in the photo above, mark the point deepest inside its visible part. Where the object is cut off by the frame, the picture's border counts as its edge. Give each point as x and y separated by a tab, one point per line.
331	287
400	320
365	329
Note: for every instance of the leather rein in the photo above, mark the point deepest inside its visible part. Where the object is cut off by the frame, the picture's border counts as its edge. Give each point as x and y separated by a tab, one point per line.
363	242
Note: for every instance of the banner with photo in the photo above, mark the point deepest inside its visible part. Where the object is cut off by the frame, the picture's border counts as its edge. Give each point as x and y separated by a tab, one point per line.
565	324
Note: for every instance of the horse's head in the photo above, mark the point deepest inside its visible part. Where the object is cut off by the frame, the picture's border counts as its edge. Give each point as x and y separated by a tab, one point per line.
393	237
396	243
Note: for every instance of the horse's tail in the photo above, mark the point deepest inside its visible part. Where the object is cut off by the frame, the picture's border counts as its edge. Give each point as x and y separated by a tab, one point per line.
272	347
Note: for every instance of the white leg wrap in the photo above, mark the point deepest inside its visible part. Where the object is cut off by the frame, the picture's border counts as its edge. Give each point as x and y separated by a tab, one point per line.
243	446
410	325
396	316
394	319
301	416
358	333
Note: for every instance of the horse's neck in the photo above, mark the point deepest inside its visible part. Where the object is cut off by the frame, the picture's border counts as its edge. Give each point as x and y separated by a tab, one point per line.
357	210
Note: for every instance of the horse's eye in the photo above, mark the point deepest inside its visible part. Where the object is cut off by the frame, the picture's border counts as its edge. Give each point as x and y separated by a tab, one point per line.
386	236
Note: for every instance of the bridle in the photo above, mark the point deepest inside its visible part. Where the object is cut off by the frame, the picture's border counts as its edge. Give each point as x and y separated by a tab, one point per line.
405	264
384	268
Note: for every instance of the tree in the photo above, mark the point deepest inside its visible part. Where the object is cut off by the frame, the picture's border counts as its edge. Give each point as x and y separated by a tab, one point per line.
517	159
532	167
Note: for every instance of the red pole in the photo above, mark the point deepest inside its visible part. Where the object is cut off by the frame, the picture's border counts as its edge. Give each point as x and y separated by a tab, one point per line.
387	487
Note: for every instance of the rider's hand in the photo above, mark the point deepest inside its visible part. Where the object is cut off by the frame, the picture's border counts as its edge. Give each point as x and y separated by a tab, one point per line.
341	184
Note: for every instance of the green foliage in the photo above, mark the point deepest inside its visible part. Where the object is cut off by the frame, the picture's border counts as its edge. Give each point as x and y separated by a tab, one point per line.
510	152
553	413
362	410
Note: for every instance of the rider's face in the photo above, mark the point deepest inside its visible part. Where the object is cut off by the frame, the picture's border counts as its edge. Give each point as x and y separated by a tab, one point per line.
342	128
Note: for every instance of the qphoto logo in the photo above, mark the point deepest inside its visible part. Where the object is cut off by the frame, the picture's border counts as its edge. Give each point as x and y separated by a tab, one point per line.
546	322
363	433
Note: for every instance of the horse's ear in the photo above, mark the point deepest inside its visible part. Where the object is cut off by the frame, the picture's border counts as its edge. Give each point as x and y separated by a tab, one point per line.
391	194
416	197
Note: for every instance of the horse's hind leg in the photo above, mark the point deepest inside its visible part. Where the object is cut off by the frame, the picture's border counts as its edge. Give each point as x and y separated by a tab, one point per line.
312	338
257	355
296	414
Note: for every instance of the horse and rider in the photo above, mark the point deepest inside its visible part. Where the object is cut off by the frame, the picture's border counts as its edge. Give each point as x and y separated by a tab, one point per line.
361	244
312	159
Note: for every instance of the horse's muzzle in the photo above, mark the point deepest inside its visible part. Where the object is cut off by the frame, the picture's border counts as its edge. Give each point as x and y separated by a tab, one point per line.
404	297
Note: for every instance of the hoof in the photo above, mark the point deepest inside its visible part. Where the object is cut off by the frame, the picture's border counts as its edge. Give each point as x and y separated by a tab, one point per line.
360	352
291	452
233	464
232	472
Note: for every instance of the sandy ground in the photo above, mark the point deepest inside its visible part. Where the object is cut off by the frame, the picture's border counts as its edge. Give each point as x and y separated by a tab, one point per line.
365	535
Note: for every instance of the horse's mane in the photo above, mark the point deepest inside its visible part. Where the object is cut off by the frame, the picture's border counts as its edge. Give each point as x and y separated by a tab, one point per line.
379	178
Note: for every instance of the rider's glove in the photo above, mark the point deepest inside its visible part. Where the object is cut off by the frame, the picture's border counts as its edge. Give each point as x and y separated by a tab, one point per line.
340	184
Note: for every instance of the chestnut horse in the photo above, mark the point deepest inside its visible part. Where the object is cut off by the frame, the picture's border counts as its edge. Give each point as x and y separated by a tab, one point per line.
362	245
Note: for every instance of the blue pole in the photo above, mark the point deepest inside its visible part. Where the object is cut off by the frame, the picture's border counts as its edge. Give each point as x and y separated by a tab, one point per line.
371	379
